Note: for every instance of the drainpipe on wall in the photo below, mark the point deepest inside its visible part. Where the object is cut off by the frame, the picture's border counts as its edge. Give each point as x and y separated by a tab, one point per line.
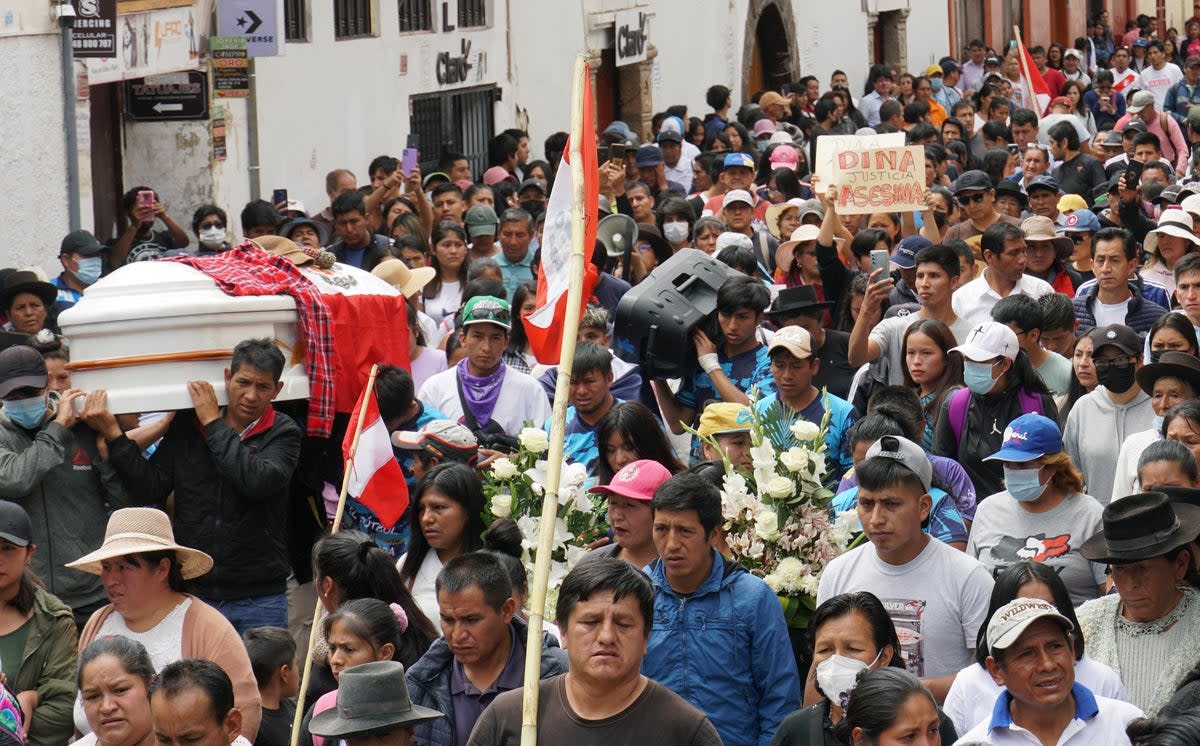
64	13
252	135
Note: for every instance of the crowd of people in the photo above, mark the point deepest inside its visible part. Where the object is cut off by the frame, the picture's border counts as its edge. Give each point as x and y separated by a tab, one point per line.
1009	408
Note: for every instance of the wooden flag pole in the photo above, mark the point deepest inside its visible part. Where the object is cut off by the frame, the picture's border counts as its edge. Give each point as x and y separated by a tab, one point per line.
1032	103
558	422
337	524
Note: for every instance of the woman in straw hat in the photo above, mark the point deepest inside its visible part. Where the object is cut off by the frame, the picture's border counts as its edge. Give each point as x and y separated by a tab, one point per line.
37	637
143	571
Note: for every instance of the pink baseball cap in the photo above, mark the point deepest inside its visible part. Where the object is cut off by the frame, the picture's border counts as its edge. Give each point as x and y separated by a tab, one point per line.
764	127
495	175
785	156
637	480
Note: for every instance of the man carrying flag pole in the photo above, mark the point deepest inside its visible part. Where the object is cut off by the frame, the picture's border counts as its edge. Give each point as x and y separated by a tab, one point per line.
1036	88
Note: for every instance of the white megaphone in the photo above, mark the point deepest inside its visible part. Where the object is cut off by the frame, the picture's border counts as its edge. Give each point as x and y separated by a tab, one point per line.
618	233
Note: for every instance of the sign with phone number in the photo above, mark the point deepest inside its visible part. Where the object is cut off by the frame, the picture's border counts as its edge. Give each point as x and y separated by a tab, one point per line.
231	66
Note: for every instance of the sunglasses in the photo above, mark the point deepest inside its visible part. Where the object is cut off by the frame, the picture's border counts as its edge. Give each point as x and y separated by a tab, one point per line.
967	199
491	312
1077	238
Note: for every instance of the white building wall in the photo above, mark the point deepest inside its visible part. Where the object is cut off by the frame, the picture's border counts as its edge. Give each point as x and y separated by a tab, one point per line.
33	162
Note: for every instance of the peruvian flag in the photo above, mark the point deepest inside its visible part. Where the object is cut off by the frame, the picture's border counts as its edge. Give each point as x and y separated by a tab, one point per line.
1035	85
376	480
544	326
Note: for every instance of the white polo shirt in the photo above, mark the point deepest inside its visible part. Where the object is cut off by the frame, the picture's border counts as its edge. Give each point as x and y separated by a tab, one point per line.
1098	721
974	301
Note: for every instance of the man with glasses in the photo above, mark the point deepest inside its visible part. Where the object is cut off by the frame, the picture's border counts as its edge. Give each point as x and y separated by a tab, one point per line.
1004	250
481	391
1100	421
1114	299
974	191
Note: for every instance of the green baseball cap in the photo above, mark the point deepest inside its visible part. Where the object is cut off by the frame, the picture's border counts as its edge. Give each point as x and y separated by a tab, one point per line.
487	309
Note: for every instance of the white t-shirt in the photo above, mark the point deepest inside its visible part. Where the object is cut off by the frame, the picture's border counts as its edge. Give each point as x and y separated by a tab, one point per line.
1125	480
973	693
974	301
889	335
1159	82
446	302
937	601
1004	533
1111	313
1103	726
521	398
424	589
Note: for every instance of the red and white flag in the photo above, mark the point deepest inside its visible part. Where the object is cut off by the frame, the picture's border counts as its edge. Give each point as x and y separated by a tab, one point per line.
376	479
1038	91
544	326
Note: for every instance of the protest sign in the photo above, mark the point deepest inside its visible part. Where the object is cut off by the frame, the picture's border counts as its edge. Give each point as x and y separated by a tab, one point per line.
888	179
828	146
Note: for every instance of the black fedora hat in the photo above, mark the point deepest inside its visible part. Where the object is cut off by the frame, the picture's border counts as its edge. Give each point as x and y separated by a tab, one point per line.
796	300
372	699
1142	526
1172	364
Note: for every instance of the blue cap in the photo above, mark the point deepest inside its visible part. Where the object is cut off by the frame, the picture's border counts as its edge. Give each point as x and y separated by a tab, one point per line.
738	160
649	156
1028	437
1045	181
905	256
1080	221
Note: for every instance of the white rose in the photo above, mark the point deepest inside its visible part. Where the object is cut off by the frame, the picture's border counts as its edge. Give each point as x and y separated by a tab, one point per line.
789	569
503	469
805	430
766	524
534	440
502	504
778	488
794	459
773	582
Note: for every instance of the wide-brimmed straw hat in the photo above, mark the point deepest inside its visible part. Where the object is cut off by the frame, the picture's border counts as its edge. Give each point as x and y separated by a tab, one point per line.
141	530
397	274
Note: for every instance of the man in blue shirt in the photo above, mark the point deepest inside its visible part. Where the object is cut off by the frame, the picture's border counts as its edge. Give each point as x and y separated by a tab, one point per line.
591	398
793	366
515	257
729	371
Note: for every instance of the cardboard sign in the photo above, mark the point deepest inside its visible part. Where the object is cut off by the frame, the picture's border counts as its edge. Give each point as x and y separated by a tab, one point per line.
830	145
880	180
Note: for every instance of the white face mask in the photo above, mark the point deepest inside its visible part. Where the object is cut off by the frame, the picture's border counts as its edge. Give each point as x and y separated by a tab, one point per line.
212	237
675	232
837	676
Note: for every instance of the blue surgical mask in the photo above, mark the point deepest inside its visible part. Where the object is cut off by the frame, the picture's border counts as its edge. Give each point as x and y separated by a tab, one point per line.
28	413
89	269
1156	424
935	83
978	377
1023	484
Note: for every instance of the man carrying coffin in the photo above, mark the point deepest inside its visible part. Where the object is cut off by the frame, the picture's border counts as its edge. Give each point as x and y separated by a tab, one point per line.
229	469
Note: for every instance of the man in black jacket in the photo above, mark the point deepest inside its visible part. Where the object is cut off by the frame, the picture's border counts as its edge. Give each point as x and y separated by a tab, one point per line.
229	469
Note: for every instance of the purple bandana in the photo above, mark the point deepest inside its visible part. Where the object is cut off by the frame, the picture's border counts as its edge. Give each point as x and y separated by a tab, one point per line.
481	392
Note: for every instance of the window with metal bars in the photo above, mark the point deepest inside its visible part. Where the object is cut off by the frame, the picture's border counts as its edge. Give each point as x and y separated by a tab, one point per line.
415	15
472	13
295	20
353	19
461	121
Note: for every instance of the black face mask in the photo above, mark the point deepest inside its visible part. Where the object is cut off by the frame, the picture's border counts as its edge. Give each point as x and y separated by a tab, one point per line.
1117	380
534	207
1156	355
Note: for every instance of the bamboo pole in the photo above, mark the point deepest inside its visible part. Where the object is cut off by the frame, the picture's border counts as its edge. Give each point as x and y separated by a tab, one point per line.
337	524
1032	103
558	423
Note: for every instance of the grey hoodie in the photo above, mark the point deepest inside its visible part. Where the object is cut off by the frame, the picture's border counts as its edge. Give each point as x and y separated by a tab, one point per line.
58	477
1096	428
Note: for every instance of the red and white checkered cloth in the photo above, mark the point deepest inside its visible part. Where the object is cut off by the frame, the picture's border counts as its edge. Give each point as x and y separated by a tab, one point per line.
248	270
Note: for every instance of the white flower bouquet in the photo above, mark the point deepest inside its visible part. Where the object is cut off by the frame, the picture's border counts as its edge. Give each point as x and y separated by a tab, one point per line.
778	521
515	488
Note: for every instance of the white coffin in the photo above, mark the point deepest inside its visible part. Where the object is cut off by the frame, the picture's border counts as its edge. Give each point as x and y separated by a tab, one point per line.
144	331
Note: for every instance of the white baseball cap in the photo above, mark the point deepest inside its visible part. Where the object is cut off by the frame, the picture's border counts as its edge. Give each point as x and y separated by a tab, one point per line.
1014	617
989	340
